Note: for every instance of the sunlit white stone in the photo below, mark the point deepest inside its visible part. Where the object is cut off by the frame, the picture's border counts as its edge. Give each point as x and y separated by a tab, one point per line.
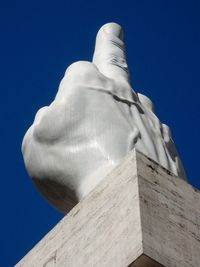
94	121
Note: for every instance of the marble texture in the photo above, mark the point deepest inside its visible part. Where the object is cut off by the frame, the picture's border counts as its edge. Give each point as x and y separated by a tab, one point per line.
95	119
139	215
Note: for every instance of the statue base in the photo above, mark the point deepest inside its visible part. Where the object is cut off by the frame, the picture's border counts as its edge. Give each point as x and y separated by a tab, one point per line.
139	215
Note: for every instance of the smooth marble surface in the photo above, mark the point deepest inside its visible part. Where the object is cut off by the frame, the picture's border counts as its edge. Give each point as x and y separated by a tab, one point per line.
95	119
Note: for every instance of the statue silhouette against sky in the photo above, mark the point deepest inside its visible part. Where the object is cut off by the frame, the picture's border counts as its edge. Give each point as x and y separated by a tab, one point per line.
94	121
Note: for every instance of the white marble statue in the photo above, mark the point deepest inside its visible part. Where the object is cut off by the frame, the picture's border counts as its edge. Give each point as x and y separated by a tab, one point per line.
94	121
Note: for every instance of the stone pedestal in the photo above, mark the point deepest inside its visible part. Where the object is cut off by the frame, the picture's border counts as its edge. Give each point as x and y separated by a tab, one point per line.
139	215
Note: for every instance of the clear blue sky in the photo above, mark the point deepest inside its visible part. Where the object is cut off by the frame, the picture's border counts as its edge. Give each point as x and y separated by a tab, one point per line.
39	39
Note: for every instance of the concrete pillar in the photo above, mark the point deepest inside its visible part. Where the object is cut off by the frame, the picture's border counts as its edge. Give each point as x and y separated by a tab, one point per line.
139	215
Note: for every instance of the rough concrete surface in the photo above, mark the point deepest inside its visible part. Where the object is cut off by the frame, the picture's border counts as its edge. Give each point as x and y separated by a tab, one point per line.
139	215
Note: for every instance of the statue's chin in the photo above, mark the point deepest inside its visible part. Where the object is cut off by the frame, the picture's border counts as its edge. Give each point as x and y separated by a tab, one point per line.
58	195
63	195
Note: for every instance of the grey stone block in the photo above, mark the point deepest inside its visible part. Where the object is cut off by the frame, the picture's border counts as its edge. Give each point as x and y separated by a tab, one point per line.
139	215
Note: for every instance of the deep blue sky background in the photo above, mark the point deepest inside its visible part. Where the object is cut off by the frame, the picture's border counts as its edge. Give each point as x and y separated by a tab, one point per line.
39	39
